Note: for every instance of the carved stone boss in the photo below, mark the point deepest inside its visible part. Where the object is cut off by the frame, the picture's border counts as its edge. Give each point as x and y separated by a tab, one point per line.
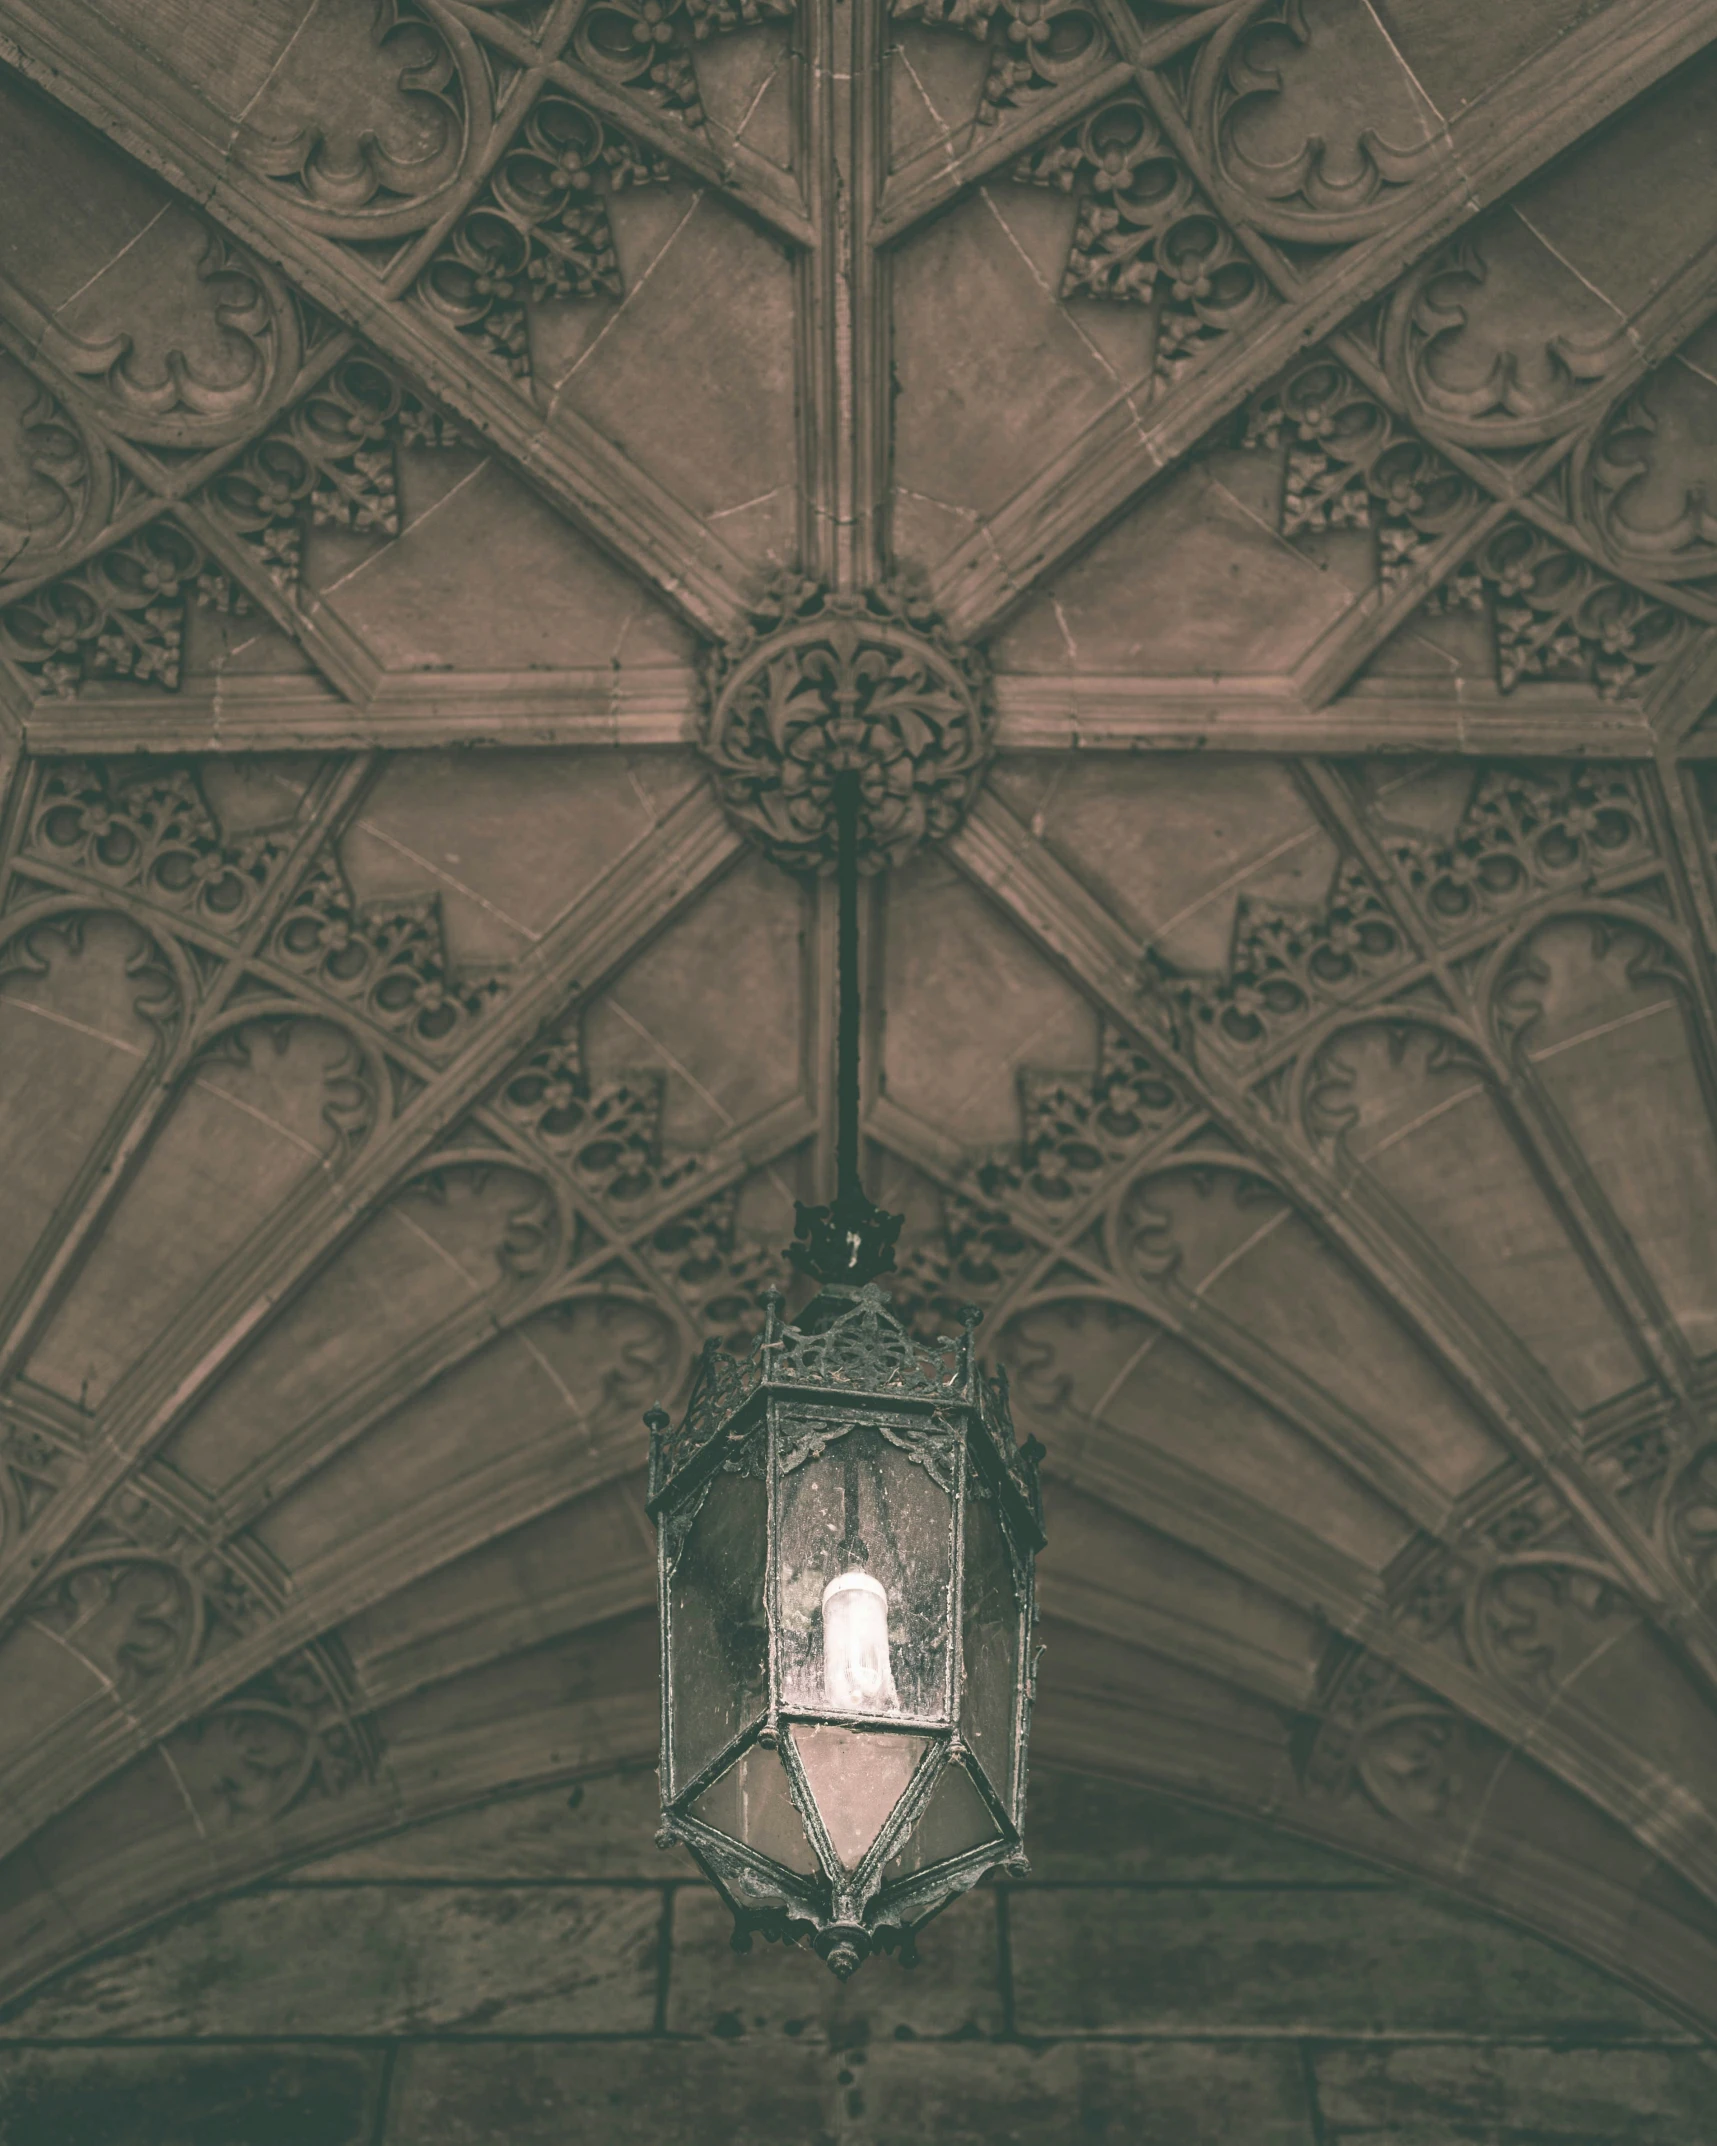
825	683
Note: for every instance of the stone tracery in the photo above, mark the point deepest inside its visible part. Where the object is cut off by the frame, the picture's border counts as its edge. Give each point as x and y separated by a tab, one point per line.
1582	585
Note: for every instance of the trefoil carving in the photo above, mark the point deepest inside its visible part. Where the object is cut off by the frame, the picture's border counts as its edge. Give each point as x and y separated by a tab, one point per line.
155	835
1287	966
389	959
288	1737
539	230
144	1594
1526	834
646	45
331	462
1036	46
608	1133
1146	235
1385	1737
1346	176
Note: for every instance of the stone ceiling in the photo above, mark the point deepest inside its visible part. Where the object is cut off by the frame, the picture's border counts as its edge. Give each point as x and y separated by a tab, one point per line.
1299	418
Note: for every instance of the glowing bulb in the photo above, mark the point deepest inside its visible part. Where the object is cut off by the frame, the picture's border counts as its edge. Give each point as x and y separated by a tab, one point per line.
857	1677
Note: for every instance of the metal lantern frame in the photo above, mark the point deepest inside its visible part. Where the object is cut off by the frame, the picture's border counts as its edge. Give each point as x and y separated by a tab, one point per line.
850	1365
792	1399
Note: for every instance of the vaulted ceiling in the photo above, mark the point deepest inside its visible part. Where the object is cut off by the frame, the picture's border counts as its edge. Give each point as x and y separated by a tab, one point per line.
1301	418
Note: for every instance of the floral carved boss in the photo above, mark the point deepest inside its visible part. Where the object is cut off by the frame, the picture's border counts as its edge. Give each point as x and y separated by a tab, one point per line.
825	683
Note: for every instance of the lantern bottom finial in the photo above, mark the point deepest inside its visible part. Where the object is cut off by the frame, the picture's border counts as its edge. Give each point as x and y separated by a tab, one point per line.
844	1948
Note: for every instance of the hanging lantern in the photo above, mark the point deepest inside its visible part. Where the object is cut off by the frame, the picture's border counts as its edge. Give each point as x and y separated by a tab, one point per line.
847	1528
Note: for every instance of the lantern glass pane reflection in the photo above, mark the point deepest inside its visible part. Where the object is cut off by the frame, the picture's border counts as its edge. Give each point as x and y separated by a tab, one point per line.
866	1545
720	1625
750	1802
989	1638
857	1777
956	1818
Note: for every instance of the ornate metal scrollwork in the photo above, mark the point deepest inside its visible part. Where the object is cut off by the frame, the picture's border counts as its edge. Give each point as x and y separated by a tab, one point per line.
825	683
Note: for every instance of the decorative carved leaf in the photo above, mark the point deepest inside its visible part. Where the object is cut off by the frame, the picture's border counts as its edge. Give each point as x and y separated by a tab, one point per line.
722	1279
120	615
330	462
1080	1133
154	834
1146	235
645	45
1555	616
1286	967
390	959
1036	46
1526	834
1351	463
608	1133
539	230
822	682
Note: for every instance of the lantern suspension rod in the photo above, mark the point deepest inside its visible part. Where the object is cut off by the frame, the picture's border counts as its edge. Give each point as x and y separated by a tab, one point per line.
846	802
850	1241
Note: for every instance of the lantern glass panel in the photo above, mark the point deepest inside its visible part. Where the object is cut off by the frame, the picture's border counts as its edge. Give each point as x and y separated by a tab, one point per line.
866	1536
750	1803
989	1638
719	1629
955	1819
857	1777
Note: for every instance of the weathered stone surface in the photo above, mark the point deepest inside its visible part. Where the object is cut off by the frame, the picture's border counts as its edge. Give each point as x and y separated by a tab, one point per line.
621	2093
1517	2097
1165	2094
1083	1827
188	2097
604	1828
375	1960
1313	1959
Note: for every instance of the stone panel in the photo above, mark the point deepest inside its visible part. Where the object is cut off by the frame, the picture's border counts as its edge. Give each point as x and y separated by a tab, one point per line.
1323	1959
1167	2094
373	1960
618	2093
598	1829
1516	2097
187	2097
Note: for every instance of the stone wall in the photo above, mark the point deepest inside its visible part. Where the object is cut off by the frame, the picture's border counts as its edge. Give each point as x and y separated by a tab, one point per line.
534	1973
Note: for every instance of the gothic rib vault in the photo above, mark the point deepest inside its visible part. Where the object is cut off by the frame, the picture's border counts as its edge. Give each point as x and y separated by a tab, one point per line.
1266	449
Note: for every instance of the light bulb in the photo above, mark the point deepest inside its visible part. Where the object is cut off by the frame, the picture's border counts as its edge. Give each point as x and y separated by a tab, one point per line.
857	1677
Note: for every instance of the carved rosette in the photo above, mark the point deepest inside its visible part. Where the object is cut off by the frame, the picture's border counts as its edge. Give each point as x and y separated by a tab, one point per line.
823	684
